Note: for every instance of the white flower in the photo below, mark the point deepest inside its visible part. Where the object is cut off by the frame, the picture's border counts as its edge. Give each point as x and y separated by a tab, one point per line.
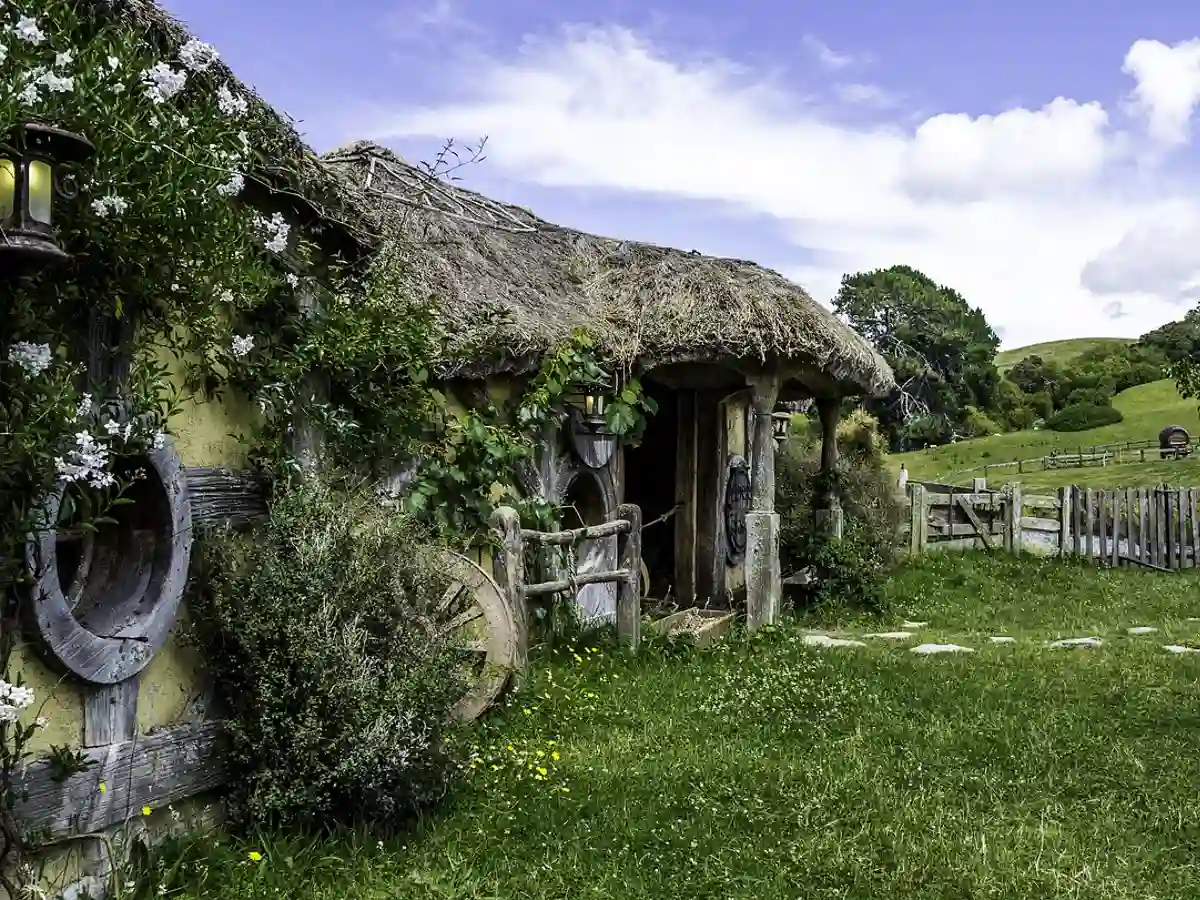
85	406
242	345
229	104
162	82
15	695
30	94
28	31
64	59
3	53
226	296
277	230
118	88
154	121
112	426
197	55
108	205
233	186
58	84
87	462
113	63
40	722
8	713
291	279
158	440
33	358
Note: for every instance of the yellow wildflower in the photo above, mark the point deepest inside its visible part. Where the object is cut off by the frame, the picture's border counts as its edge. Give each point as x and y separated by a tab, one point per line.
145	810
254	856
103	787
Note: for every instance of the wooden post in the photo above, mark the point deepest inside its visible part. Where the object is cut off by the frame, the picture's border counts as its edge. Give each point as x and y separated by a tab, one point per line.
1168	528
763	581
629	591
1181	527
917	517
1077	527
1194	504
1115	549
1143	539
1102	527
1064	521
508	568
829	508
308	441
1089	523
1013	519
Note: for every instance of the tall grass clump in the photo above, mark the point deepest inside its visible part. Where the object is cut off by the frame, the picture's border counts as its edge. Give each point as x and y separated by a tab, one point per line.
337	686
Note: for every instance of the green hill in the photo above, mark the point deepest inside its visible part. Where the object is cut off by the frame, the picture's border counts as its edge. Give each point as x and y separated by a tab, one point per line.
1057	351
1147	408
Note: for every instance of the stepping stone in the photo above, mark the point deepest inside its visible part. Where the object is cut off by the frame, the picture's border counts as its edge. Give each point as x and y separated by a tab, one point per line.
1003	639
890	635
824	640
914	624
1143	629
927	649
1179	648
1078	642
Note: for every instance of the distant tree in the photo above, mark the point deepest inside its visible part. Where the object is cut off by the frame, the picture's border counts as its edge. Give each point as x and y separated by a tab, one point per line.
1177	341
941	348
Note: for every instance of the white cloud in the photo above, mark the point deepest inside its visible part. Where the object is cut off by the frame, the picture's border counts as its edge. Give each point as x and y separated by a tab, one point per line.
1167	88
830	58
1008	208
1159	256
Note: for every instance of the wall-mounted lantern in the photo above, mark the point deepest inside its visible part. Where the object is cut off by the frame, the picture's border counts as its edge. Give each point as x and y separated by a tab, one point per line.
590	402
781	426
31	175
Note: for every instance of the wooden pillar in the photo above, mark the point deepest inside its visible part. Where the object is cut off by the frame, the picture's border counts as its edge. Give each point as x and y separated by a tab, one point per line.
829	505
629	591
508	568
762	472
685	496
763	582
709	501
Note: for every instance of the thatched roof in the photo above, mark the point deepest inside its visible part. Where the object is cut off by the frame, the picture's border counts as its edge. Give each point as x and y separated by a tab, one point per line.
293	172
500	268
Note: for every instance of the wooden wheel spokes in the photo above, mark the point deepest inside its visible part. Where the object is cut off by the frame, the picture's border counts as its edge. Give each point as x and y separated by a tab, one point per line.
474	614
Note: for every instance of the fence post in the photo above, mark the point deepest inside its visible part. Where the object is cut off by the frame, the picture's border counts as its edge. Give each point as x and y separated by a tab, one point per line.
1013	518
629	589
917	517
508	568
1064	520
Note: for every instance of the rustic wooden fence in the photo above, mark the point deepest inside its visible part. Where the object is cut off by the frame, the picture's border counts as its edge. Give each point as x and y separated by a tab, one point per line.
1155	527
1084	456
509	566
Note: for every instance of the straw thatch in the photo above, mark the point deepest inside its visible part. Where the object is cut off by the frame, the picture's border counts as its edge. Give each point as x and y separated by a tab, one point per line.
509	279
290	169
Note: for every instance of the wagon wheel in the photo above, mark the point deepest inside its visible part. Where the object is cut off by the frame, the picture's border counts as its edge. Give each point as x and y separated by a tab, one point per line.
474	614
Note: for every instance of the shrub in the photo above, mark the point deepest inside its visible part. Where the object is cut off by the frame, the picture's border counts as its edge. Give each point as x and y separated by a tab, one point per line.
336	690
848	572
1082	416
980	424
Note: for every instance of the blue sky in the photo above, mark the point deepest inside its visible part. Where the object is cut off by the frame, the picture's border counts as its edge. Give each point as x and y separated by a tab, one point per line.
1037	157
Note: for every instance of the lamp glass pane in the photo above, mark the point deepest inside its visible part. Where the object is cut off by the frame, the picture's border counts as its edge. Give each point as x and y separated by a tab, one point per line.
40	191
8	189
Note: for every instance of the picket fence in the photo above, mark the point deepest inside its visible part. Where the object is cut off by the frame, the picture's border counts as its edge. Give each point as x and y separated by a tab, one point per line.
1148	527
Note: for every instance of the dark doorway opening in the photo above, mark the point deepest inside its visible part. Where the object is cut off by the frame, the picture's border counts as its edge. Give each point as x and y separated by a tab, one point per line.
650	483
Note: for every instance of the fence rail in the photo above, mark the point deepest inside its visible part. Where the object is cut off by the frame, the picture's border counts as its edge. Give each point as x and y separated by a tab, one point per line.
1086	455
1149	527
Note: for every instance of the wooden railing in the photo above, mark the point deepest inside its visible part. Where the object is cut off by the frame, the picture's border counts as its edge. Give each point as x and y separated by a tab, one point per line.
509	566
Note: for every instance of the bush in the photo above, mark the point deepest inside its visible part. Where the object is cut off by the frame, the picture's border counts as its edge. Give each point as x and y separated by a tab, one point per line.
851	571
980	424
1083	416
337	693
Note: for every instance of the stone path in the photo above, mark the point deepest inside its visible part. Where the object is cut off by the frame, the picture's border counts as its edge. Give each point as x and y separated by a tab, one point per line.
909	629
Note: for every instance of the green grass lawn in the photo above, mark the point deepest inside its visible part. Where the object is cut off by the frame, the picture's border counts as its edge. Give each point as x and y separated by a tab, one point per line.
765	768
1061	352
1147	409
